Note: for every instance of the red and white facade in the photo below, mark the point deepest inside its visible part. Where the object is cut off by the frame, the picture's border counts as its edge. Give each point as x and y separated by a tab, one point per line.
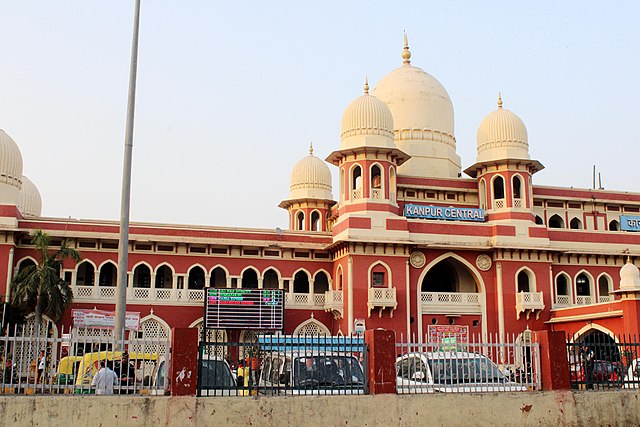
540	257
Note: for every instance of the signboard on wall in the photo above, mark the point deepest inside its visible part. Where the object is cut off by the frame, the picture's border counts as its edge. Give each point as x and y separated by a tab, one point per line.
244	309
629	223
443	212
102	319
447	334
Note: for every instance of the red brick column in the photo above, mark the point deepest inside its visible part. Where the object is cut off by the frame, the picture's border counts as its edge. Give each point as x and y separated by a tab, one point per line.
382	360
183	374
554	366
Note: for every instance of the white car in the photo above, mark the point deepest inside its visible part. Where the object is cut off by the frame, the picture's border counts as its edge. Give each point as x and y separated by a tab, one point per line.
450	372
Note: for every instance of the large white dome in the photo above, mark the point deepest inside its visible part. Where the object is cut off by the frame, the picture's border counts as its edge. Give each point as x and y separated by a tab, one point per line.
30	199
423	120
10	170
310	179
366	122
502	135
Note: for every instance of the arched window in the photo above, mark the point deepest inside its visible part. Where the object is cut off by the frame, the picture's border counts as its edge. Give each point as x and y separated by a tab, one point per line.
301	283
517	187
315	221
356	183
523	281
86	274
342	198
108	274
312	327
320	283
300	220
604	287
164	277
498	188
142	277
376	182
338	284
379	276
218	278
250	279
556	221
563	291
614	226
449	275
575	224
392	185
196	278
583	289
539	220
25	263
482	194
270	279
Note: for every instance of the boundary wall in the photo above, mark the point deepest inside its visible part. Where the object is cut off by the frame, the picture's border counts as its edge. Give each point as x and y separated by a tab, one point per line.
546	408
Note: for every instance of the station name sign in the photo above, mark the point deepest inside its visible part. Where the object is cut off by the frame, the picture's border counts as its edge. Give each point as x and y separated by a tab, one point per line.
629	223
443	212
244	309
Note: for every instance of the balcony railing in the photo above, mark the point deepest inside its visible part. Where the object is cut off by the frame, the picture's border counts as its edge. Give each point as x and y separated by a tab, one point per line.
518	203
300	300
528	302
382	298
563	301
605	298
334	302
376	193
451	302
356	194
584	300
499	204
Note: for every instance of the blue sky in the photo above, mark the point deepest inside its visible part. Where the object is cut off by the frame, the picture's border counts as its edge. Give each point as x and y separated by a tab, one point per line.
230	94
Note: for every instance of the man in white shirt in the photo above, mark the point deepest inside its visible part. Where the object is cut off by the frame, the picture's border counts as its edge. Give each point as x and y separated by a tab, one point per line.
104	380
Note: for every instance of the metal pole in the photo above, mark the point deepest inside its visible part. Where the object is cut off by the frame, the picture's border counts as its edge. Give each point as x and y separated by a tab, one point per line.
123	247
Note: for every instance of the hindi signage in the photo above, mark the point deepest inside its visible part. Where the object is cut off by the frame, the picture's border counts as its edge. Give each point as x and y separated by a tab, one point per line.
244	309
448	334
443	212
103	319
629	223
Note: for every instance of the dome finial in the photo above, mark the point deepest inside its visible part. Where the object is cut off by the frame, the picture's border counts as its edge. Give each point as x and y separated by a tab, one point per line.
499	100
406	54
366	85
311	148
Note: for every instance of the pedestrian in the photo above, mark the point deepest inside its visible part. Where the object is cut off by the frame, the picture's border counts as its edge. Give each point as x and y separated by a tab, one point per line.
42	361
104	380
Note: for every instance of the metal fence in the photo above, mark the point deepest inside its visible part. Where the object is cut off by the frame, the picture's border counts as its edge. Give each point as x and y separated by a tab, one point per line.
41	361
468	364
276	365
598	361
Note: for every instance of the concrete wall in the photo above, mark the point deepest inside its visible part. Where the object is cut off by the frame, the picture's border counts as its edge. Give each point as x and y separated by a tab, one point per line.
620	408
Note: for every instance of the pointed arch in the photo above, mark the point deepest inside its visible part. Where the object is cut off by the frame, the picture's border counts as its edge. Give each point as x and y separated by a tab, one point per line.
355	182
314	221
142	275
24	261
299	220
584	287
482	194
312	327
301	283
321	282
497	188
271	278
196	276
165	264
85	273
164	274
605	287
250	278
556	221
339	278
218	277
525	280
342	196
376	184
392	184
563	286
108	274
379	275
517	187
575	224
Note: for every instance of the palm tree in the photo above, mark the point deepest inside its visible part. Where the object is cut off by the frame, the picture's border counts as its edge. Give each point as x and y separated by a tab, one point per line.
40	287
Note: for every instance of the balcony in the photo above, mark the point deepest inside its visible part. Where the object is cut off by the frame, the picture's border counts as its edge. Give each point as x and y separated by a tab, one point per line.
381	298
451	302
563	301
334	302
528	302
605	298
499	204
304	301
584	300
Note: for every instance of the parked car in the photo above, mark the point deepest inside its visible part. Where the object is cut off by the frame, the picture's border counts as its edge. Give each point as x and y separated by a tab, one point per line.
216	378
311	373
450	372
604	371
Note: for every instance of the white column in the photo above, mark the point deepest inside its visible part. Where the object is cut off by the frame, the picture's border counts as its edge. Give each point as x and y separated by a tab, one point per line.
350	295
9	271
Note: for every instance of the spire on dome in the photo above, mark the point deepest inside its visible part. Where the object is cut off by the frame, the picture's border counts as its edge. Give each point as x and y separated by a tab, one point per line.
311	148
406	54
499	100
366	85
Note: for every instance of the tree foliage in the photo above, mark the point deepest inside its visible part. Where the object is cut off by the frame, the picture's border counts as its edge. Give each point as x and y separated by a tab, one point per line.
39	287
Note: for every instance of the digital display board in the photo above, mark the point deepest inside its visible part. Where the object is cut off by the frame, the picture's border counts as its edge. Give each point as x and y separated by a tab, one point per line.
244	309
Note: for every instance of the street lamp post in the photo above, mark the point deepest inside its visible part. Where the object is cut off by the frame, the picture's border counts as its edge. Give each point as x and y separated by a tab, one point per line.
123	247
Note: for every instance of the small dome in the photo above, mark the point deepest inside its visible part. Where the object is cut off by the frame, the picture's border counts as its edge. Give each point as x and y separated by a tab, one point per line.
629	277
30	200
367	122
310	179
502	135
10	161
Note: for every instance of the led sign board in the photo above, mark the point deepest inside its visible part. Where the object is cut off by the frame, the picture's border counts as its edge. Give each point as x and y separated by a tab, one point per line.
244	309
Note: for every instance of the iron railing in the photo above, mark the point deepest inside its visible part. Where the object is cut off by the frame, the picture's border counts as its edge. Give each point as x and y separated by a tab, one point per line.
276	365
468	364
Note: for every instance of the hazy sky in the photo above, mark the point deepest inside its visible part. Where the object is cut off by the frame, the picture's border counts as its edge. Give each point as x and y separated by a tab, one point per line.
231	93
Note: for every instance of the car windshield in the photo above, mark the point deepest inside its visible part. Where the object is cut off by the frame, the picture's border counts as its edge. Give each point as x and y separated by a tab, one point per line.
327	371
216	374
465	370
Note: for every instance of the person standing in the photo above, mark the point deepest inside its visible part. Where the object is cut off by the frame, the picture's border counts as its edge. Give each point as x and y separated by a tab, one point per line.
104	380
42	362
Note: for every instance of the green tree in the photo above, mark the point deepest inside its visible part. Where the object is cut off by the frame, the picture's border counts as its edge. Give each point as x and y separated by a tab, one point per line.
39	287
